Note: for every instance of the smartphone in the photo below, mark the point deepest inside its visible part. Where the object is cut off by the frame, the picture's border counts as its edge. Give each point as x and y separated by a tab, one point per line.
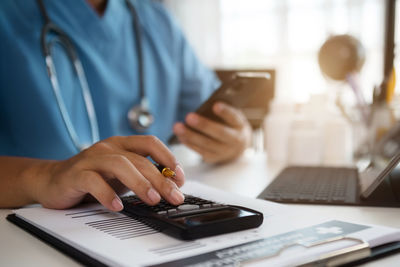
239	92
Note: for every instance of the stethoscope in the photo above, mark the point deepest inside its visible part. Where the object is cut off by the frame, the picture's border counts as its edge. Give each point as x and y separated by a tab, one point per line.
139	116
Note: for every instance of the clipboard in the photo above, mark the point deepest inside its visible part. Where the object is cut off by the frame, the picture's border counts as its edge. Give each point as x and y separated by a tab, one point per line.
54	242
351	256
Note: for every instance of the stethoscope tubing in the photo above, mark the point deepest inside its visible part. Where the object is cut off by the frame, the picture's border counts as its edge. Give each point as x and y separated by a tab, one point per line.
79	71
64	41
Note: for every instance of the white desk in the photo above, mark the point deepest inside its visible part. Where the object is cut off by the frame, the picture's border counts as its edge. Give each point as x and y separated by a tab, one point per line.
247	176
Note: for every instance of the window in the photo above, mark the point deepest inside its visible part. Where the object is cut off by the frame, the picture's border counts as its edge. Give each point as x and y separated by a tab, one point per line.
285	35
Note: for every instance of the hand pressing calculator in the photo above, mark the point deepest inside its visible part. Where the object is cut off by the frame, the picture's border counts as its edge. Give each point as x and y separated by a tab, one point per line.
195	218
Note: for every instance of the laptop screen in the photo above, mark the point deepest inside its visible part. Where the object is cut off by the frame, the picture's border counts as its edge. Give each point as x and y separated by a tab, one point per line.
375	173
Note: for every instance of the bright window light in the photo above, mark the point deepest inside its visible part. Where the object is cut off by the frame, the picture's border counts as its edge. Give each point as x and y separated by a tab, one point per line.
285	35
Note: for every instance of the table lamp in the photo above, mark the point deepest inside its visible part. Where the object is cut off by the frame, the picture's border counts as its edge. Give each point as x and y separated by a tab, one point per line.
340	58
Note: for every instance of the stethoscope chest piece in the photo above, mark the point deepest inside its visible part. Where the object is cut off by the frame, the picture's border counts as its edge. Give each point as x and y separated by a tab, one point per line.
140	117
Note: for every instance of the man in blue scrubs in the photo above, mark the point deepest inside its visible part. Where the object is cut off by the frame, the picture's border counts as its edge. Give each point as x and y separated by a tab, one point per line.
38	159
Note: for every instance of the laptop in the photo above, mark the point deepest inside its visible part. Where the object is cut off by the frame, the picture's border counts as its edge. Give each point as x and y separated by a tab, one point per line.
377	185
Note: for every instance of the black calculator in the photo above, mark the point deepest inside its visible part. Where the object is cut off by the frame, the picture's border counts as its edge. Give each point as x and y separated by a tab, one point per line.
194	218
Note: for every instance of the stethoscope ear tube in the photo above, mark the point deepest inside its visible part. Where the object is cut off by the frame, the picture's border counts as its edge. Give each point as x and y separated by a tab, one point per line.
60	102
63	40
140	117
48	27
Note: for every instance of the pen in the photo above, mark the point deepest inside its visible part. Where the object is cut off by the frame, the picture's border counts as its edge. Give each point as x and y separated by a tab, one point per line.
390	87
167	172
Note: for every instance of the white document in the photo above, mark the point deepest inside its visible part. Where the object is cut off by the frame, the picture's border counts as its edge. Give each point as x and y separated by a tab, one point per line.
118	240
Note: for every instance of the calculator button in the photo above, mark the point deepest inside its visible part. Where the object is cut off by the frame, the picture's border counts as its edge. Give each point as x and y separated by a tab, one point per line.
172	211
188	207
163	212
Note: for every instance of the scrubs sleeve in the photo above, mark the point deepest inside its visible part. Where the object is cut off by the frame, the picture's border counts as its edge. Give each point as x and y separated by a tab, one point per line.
196	81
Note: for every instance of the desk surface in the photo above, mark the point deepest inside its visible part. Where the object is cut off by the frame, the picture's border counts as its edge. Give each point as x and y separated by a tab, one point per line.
247	176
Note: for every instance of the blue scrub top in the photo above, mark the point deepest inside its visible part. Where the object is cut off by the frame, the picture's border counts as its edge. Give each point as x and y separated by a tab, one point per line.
30	121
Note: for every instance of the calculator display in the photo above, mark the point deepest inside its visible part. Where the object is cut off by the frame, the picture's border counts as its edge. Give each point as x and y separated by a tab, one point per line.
225	214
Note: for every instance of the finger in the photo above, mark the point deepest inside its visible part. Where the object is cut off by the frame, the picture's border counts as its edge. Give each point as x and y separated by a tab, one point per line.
215	130
203	151
179	178
208	157
113	145
147	145
186	135
167	188
232	116
120	167
92	183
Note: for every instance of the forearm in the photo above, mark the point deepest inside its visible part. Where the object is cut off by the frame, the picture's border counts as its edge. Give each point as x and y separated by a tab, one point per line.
21	180
65	183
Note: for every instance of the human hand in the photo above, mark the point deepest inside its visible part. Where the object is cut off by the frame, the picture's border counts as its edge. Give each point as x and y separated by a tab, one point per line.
216	142
118	161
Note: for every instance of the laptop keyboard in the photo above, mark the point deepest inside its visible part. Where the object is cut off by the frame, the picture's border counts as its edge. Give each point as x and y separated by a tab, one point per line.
314	185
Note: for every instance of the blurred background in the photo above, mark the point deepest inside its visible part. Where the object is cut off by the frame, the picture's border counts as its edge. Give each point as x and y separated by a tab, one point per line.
284	35
325	116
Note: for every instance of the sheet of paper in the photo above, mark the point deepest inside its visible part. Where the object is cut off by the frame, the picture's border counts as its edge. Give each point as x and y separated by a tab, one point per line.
118	240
